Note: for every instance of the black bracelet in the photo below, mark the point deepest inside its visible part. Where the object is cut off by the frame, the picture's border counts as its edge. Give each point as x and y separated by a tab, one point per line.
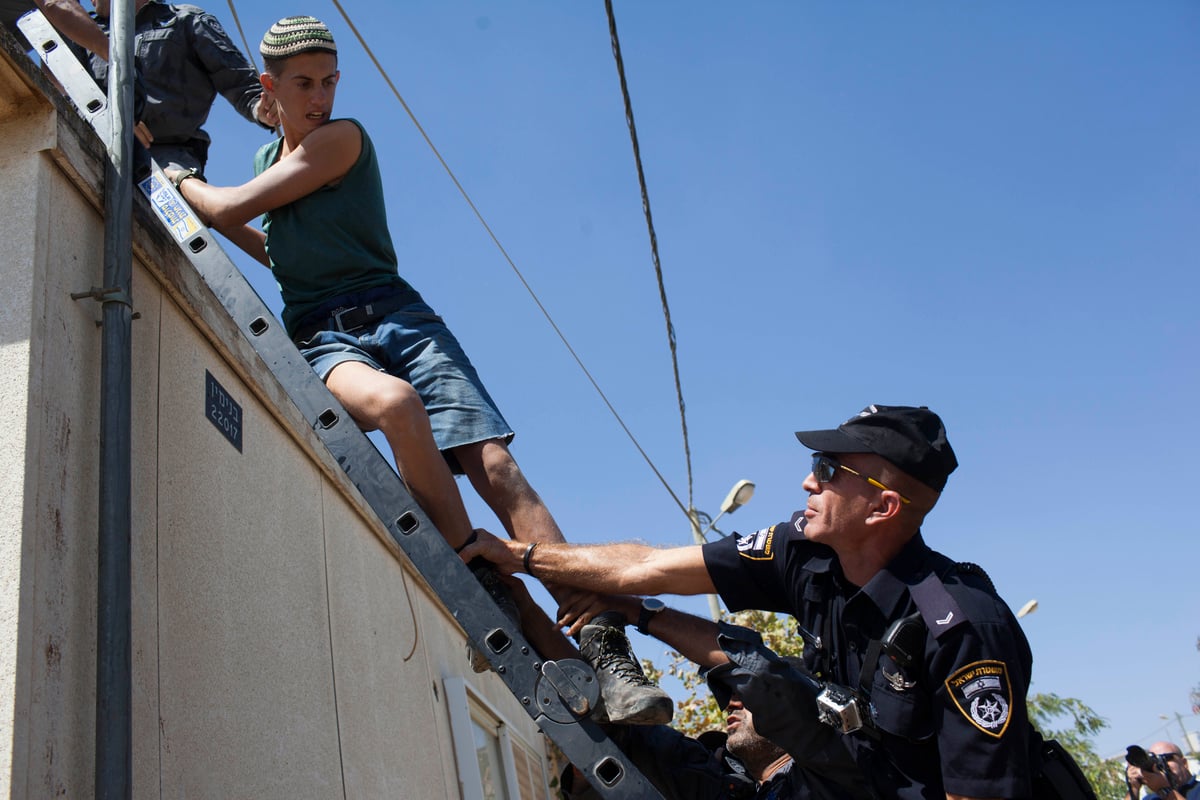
528	557
470	540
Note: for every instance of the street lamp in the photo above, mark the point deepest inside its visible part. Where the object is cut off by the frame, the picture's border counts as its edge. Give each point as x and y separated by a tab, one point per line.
1028	608
738	496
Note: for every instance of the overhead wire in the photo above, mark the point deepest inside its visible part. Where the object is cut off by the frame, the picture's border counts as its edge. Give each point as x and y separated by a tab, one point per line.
512	264
249	53
662	290
242	33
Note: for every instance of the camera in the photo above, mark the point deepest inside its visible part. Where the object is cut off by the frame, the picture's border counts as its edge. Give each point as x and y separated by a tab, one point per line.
840	709
1146	761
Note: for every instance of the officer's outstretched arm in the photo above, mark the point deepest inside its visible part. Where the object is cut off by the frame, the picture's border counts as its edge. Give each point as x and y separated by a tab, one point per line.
621	568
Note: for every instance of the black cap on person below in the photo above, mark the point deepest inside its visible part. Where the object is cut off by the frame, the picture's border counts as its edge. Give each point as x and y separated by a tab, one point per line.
911	438
723	680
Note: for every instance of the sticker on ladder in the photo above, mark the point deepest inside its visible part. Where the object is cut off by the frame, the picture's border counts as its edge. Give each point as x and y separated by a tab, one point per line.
178	218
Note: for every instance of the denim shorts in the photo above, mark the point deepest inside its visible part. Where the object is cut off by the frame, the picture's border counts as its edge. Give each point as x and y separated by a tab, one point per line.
415	345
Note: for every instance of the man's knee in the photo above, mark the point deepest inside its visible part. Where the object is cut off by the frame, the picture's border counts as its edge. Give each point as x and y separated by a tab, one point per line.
398	406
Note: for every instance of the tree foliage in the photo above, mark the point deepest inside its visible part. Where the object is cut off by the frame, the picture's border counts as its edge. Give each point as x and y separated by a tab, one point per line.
1070	721
1074	725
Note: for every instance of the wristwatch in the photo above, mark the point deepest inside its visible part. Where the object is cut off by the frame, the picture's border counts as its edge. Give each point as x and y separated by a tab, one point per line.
183	175
650	607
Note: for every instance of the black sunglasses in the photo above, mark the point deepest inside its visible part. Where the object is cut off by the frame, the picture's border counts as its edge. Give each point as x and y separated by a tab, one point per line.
824	467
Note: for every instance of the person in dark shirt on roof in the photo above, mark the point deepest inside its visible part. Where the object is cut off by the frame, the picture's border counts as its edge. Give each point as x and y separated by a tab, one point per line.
184	59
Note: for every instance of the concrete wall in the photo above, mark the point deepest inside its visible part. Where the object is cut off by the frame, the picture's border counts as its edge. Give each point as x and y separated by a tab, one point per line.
283	646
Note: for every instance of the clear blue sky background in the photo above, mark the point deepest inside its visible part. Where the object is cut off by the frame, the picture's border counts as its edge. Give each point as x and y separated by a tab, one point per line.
987	208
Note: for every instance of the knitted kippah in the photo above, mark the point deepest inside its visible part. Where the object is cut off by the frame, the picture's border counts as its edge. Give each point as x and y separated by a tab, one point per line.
294	35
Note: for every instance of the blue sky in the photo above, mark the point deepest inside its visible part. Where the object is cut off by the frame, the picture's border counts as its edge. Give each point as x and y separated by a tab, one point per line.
986	208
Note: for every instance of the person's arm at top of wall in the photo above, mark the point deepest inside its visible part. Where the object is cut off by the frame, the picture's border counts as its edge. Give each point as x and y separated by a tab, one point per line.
70	18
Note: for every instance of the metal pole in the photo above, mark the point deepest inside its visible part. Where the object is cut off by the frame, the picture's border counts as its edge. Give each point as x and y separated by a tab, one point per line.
114	729
714	607
1187	740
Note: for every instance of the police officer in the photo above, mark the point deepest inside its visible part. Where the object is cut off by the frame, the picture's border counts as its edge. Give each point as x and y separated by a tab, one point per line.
747	767
940	703
184	60
759	691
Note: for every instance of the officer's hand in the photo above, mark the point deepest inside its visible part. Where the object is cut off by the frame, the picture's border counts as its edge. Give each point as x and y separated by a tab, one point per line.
265	110
143	134
577	607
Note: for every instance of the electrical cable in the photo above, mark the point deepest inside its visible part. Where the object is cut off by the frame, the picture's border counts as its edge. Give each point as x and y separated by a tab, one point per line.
496	241
242	33
662	291
249	53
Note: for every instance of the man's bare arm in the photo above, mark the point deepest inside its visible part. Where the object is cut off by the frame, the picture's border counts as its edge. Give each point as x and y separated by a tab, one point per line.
692	637
623	568
69	17
251	240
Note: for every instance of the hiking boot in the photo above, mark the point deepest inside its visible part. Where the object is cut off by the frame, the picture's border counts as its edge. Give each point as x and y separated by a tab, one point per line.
626	695
486	574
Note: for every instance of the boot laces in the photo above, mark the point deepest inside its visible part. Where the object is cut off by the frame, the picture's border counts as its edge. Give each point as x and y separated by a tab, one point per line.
613	655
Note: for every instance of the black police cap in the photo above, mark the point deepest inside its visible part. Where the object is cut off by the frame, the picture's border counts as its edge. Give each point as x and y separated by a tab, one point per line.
911	438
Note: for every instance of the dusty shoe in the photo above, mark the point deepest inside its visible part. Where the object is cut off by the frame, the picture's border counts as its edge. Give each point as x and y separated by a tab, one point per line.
487	575
626	694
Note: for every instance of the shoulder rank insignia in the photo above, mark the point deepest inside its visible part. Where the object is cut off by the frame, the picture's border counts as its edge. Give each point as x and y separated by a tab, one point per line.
983	694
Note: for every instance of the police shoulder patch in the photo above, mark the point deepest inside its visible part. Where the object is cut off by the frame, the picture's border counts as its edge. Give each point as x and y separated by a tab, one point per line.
758	546
983	694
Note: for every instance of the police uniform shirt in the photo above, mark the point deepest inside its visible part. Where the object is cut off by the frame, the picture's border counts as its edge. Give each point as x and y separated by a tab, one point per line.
185	59
956	720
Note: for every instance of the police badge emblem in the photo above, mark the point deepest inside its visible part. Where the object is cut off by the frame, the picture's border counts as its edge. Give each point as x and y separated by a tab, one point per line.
757	546
983	694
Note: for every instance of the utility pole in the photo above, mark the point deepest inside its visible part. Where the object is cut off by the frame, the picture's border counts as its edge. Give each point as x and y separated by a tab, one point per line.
1187	739
714	607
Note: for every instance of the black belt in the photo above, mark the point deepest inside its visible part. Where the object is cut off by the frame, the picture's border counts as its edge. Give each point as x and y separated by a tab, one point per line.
347	319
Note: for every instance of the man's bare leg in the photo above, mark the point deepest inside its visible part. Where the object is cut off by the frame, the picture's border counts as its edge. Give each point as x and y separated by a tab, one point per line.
378	401
498	480
501	484
626	694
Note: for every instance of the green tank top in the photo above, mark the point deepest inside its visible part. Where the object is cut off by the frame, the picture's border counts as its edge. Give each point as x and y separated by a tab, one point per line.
332	242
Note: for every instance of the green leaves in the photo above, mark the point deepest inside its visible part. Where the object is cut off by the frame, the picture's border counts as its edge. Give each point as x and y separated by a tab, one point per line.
1076	724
